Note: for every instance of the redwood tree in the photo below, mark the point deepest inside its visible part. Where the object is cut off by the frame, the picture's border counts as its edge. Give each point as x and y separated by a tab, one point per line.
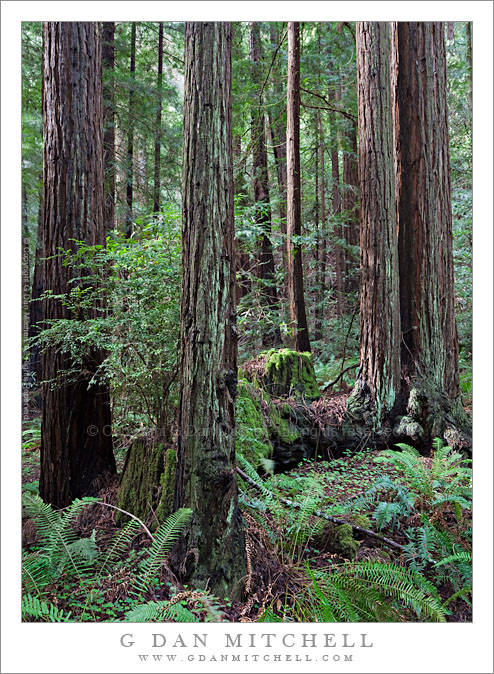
429	347
265	267
378	378
295	280
76	445
108	53
211	550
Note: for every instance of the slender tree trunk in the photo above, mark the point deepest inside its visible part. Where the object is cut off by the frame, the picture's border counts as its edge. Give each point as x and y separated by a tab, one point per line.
378	378
76	443
157	142
130	137
109	121
429	346
295	290
265	270
277	123
350	206
36	307
322	242
212	549
336	199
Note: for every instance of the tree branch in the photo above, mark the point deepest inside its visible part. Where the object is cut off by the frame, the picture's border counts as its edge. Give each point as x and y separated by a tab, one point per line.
319	513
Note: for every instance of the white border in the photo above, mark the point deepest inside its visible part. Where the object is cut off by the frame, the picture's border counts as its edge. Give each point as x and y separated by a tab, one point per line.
95	648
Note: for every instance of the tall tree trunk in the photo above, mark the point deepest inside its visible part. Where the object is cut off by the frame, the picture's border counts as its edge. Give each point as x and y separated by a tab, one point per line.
322	242
109	121
429	347
265	269
157	142
336	199
295	289
211	551
277	124
76	443
378	378
350	206
130	137
35	306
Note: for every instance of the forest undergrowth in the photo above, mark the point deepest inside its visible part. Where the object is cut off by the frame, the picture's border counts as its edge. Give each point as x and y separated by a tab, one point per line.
78	565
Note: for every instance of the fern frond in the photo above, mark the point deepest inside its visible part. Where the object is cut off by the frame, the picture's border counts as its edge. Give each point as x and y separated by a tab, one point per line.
118	545
33	607
164	538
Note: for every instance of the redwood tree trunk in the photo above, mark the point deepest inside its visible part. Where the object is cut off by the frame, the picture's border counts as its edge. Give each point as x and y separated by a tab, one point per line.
130	137
76	443
108	52
350	206
157	142
429	351
211	551
265	269
378	379
295	289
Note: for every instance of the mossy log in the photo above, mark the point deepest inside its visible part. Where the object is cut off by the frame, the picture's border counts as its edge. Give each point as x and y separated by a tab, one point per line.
148	482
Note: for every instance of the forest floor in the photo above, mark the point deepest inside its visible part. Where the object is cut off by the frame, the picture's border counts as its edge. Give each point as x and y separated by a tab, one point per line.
282	542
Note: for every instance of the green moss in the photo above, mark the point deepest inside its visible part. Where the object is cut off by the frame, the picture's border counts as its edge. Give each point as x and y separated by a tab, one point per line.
167	484
286	432
252	429
290	373
341	541
138	491
360	521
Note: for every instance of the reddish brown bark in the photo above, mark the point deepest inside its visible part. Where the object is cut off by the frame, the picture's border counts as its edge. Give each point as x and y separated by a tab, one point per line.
76	442
295	289
108	52
379	374
130	137
429	353
211	550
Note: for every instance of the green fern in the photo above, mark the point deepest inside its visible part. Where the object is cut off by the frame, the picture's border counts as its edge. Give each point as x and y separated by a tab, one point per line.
118	546
160	611
164	538
365	592
42	611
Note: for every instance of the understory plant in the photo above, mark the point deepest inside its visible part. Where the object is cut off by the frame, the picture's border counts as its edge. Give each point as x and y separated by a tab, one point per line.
83	569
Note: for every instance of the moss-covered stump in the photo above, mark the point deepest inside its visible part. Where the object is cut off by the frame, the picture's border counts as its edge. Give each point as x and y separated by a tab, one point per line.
252	436
147	483
290	373
338	538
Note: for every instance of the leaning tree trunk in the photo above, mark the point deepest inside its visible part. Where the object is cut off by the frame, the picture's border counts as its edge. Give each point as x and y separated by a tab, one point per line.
295	290
211	551
378	378
265	267
429	348
76	443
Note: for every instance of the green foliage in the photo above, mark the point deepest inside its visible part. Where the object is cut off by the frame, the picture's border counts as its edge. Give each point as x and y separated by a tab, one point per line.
78	564
33	609
134	284
164	538
364	592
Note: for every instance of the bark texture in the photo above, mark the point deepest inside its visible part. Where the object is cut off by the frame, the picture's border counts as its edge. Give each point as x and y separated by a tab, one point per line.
211	550
379	375
157	142
295	280
265	269
130	137
429	346
76	443
108	52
